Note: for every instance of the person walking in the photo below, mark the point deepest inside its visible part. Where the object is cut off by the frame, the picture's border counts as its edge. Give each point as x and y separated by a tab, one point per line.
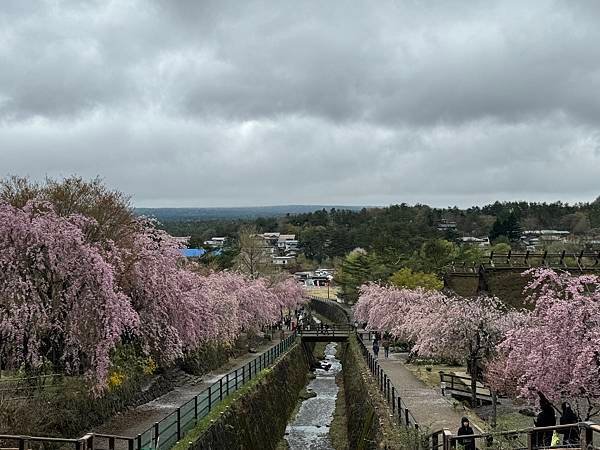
386	347
376	348
545	418
571	434
466	430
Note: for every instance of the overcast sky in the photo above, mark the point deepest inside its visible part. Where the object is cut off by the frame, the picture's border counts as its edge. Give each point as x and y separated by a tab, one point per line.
236	103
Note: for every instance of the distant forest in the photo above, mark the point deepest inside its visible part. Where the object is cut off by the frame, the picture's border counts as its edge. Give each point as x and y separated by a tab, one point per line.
401	244
397	229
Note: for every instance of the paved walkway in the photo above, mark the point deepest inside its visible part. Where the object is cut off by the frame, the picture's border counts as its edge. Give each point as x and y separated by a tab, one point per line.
429	406
136	421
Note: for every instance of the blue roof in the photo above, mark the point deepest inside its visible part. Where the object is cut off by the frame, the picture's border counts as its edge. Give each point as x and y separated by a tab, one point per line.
192	252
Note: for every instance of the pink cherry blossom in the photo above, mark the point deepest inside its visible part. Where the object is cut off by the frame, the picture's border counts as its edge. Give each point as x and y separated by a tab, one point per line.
556	351
69	301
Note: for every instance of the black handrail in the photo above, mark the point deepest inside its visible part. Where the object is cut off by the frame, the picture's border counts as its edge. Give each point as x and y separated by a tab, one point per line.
390	391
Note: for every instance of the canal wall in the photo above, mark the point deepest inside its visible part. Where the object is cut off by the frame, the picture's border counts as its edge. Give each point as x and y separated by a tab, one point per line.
256	418
370	423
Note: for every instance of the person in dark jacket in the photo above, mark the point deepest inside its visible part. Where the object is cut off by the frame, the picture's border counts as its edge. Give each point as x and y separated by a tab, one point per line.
568	416
466	430
376	348
545	418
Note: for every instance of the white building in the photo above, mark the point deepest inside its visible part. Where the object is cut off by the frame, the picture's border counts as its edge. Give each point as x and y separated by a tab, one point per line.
283	260
216	242
472	240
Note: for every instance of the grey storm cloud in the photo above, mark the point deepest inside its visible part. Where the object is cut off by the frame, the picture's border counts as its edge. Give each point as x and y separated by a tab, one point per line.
204	103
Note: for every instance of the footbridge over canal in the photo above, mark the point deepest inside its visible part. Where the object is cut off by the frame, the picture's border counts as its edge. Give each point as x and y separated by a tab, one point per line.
325	333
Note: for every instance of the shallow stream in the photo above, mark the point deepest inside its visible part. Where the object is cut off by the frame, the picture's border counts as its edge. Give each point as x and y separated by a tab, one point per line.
309	430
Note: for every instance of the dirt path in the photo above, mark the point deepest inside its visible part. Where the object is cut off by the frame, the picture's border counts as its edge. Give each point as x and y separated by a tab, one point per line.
136	421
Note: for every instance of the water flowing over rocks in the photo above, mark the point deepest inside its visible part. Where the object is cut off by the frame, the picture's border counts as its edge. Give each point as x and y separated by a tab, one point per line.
309	430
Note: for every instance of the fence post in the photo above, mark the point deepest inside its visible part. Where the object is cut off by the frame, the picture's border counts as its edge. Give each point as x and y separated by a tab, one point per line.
196	403
393	399
130	444
587	436
446	439
400	410
209	401
243	375
111	443
530	440
221	389
387	397
407	419
139	442
156	433
227	381
78	445
178	424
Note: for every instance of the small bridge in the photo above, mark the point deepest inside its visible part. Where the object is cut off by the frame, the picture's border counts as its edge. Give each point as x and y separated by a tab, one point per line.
325	333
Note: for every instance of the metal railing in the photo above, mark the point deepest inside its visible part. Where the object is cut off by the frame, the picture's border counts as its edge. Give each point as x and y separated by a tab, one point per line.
582	260
460	386
13	388
168	431
325	330
391	393
164	434
584	436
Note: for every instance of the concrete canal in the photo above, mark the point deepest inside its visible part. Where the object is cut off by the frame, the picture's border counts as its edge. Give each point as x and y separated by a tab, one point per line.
309	429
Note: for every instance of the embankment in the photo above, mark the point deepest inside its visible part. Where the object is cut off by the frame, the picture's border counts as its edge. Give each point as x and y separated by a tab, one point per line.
370	425
256	416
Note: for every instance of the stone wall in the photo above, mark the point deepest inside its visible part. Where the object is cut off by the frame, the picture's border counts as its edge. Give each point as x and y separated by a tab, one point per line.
258	418
466	285
334	311
507	285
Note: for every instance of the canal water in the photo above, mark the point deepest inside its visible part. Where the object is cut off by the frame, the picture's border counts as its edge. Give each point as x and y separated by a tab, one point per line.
309	430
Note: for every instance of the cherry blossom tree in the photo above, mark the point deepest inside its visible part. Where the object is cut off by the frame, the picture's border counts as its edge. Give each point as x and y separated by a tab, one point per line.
59	301
556	351
439	326
80	274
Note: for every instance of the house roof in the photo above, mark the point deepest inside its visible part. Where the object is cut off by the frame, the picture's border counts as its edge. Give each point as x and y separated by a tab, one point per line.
192	252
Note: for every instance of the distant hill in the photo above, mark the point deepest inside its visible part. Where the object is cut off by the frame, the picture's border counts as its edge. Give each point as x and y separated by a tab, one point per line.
253	212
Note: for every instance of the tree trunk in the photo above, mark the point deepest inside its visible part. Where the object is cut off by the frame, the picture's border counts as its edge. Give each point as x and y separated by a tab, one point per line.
494	408
474	382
